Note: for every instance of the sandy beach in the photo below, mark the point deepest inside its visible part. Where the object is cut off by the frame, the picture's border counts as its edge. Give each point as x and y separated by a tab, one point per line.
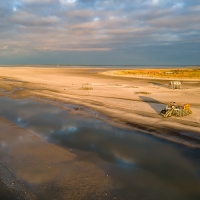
127	102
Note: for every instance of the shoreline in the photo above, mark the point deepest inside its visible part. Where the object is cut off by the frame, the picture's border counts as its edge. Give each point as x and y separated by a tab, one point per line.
140	114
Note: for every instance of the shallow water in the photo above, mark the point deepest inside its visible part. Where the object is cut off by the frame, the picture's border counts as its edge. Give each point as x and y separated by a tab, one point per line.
140	165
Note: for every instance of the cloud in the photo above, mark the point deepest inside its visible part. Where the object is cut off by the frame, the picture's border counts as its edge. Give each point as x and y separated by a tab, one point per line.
67	2
4	47
93	25
37	1
155	1
28	19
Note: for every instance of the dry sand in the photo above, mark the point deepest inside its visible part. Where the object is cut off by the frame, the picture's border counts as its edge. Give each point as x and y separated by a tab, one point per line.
47	169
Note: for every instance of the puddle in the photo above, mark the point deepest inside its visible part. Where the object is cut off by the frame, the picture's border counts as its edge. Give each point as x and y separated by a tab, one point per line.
140	165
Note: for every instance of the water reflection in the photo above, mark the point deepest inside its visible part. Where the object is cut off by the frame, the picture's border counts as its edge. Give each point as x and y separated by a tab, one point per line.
137	162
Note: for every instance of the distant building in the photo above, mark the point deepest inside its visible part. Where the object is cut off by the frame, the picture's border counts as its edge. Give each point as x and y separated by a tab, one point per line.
175	85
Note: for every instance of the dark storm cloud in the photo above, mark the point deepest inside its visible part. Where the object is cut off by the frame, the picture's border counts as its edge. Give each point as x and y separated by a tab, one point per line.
28	26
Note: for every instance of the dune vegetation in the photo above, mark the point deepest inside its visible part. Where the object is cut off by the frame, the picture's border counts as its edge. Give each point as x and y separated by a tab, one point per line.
160	73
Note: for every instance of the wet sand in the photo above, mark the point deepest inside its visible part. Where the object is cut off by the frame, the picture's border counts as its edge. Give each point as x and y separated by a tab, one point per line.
117	98
48	170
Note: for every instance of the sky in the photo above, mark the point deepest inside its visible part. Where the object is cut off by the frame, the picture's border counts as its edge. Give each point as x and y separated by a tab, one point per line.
100	32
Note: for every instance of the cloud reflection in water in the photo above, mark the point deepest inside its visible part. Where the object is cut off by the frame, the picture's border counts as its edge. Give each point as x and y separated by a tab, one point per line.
140	156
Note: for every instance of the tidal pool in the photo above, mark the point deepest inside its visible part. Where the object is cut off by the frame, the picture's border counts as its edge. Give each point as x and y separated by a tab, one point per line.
140	165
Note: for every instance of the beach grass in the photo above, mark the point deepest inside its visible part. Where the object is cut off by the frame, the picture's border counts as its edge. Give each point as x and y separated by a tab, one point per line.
162	73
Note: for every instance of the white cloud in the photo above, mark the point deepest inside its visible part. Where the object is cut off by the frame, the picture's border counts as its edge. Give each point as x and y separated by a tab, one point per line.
65	2
155	1
96	19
